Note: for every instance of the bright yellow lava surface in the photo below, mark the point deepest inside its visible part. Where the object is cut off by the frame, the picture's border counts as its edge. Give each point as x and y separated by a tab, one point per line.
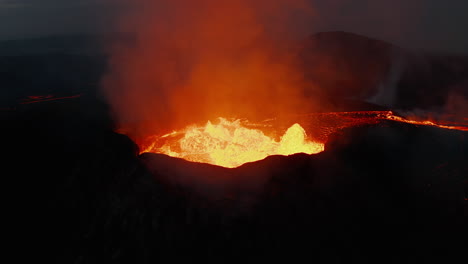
229	144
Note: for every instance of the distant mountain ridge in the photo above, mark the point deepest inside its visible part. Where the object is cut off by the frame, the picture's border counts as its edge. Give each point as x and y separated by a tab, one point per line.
337	66
347	65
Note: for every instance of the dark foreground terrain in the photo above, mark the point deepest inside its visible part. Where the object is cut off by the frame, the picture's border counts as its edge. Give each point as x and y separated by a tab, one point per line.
77	192
387	193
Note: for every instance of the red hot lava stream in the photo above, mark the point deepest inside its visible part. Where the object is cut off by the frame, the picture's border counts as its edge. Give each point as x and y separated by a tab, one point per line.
231	143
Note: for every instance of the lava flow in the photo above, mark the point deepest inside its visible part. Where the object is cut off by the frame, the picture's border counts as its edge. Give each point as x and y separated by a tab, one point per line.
391	116
233	143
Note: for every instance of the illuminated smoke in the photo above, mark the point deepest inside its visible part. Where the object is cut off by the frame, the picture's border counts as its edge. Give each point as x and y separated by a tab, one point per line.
198	60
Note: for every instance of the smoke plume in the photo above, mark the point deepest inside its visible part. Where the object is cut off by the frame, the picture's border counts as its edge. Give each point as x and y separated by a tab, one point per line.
194	61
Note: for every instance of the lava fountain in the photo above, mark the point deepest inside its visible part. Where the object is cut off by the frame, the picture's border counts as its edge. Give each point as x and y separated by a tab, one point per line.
231	144
193	61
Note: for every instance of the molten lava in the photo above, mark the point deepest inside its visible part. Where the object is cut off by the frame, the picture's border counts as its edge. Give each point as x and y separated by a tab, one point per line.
230	144
233	143
461	127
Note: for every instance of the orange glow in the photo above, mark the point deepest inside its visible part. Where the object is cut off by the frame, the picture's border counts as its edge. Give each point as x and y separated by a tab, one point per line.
194	61
233	143
391	116
230	144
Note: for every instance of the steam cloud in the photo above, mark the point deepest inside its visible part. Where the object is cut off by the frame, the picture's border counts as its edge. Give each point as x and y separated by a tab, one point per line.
194	61
199	60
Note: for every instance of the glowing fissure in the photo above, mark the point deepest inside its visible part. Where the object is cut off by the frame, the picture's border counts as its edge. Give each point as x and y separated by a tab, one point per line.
391	116
230	144
233	143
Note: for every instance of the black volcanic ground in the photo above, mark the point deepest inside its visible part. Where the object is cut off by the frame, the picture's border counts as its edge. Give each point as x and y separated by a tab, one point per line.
80	193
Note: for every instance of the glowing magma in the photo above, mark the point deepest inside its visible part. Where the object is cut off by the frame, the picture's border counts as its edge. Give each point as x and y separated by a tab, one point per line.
230	144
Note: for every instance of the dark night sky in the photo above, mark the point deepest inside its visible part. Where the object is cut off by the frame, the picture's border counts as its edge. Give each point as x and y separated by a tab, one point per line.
418	24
